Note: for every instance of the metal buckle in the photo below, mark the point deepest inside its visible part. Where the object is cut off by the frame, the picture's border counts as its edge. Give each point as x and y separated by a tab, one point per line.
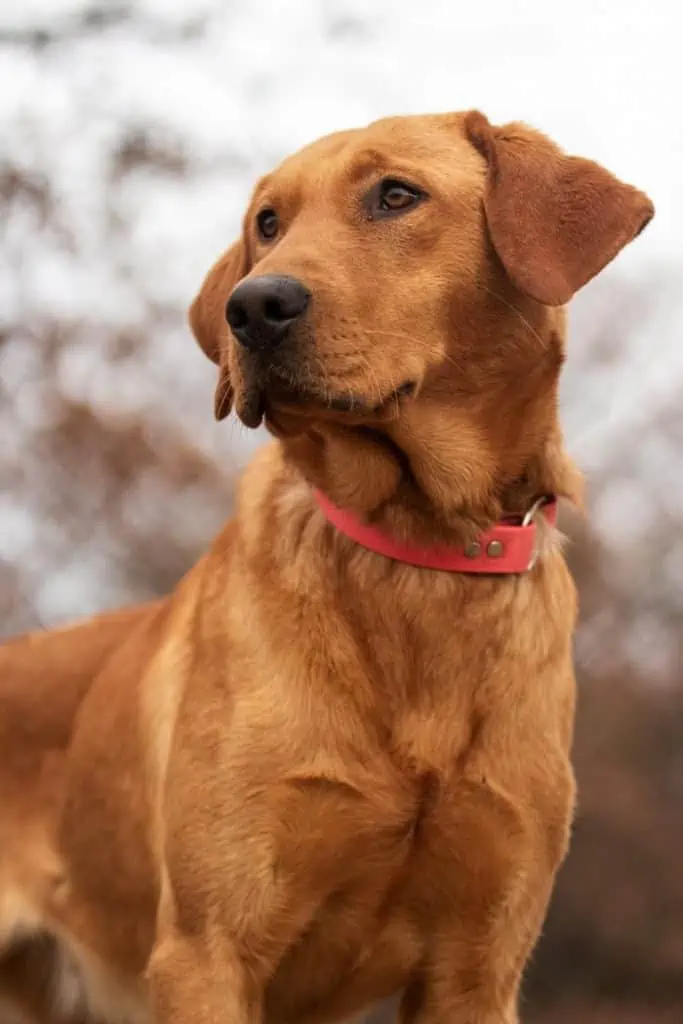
529	518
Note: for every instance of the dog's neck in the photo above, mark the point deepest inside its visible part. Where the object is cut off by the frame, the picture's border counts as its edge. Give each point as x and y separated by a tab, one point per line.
368	474
277	498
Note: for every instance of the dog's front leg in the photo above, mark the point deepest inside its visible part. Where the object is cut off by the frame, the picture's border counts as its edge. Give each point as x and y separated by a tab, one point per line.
233	897
220	940
200	979
494	859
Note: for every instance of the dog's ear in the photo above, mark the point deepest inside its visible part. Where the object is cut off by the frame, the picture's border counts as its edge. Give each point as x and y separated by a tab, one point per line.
208	323
554	220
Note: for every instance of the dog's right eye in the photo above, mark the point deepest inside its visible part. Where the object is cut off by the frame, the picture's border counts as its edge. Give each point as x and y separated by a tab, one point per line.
267	224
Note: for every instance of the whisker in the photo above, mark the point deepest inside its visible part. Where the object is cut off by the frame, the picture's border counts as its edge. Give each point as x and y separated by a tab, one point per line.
375	332
511	306
449	359
365	360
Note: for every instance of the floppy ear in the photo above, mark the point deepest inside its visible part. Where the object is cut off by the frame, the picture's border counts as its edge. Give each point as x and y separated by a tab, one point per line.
208	323
554	220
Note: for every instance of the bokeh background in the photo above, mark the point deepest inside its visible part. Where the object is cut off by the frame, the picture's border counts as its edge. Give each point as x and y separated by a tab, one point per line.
130	133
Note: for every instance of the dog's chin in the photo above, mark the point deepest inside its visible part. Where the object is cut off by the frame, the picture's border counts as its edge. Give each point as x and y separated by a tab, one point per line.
289	407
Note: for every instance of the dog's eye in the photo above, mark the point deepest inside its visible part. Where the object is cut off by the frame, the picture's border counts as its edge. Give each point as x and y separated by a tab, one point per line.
267	224
393	196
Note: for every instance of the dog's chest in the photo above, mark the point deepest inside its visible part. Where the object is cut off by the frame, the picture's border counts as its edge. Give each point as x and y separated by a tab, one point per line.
367	853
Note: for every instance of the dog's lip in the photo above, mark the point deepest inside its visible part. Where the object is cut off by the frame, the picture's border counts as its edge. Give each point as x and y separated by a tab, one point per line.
298	399
251	408
300	395
355	404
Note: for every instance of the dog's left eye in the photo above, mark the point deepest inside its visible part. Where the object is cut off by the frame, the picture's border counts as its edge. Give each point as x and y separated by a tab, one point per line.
267	224
391	196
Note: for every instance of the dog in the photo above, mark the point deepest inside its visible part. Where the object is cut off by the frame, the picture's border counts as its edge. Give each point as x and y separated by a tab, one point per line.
335	763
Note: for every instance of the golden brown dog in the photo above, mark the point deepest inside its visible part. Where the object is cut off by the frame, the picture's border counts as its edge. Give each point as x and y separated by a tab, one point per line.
315	776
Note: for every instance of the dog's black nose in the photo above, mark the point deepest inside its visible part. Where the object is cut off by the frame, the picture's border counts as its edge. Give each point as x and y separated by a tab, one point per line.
261	310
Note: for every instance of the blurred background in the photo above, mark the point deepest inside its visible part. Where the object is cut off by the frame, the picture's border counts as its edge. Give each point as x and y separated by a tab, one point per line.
130	134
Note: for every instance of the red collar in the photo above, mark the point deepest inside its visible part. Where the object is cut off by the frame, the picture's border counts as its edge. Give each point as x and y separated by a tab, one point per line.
507	548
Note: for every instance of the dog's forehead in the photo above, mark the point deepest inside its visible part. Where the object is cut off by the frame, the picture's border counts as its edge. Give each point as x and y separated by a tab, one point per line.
433	144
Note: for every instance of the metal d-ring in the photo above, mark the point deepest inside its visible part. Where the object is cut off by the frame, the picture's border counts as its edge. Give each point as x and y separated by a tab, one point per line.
529	518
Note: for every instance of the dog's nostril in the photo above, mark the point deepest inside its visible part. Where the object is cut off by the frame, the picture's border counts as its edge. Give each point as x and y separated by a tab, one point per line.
236	315
274	310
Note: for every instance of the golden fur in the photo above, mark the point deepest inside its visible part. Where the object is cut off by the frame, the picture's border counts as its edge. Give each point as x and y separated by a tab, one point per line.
312	777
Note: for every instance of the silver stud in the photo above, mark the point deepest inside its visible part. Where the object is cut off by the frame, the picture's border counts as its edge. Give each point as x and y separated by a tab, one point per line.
473	550
495	549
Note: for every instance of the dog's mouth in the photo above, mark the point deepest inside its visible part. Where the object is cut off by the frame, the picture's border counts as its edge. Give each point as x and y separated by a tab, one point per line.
281	396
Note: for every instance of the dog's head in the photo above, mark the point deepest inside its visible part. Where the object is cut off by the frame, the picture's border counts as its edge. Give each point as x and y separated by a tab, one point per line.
403	281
